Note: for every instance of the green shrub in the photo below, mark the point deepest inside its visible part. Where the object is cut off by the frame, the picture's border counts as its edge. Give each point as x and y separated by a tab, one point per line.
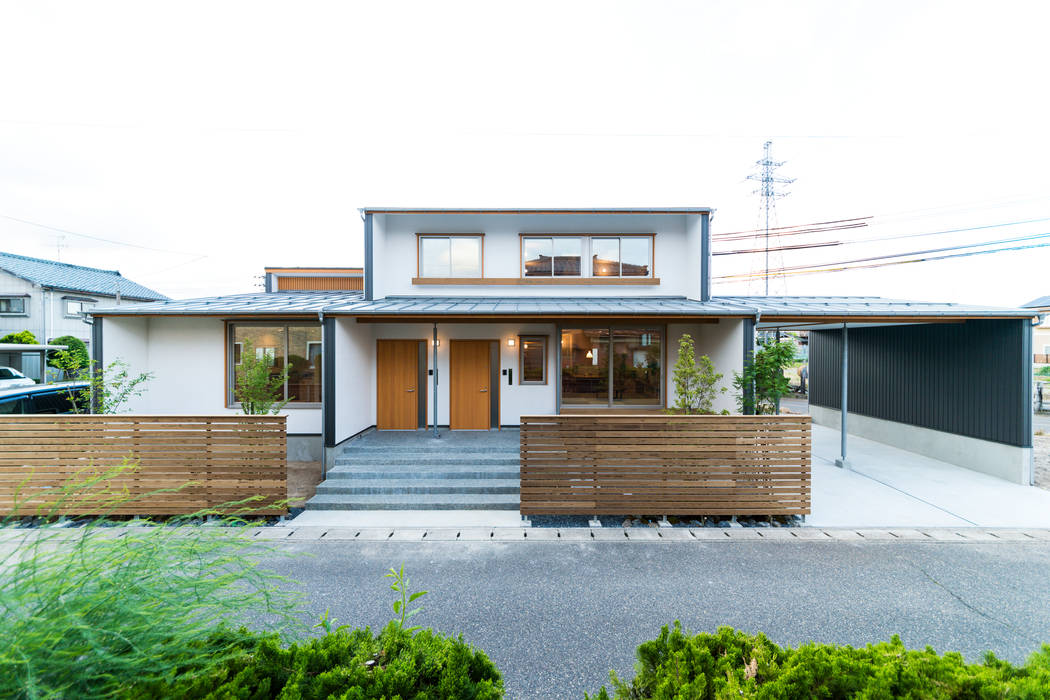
21	337
74	357
731	664
85	611
345	664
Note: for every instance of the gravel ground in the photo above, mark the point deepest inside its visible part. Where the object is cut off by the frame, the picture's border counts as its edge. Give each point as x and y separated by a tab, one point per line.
1041	458
556	617
303	478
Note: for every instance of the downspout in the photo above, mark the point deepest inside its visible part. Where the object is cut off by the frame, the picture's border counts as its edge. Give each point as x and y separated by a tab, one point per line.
749	355
328	404
844	406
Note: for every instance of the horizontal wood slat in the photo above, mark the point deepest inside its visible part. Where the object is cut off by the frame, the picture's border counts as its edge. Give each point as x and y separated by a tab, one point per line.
665	465
185	463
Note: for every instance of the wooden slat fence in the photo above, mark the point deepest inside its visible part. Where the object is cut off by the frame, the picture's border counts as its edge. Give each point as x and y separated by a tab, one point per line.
665	465
228	458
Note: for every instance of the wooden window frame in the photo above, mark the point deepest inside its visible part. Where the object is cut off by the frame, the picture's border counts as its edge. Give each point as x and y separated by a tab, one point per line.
545	339
229	371
586	262
419	257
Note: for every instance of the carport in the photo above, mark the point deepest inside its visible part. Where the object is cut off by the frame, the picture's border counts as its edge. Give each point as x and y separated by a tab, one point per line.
27	359
947	381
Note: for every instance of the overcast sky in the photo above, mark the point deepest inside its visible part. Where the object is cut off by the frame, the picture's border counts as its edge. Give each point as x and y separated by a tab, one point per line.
222	137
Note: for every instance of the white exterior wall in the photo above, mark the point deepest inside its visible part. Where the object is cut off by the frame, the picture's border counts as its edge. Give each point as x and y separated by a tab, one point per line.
355	383
723	342
187	358
676	259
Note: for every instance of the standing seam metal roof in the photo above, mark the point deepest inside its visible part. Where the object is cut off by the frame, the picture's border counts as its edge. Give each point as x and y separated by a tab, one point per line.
352	303
75	278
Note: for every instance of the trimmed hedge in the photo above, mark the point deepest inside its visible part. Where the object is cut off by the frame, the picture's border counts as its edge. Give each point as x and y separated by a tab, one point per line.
731	664
346	664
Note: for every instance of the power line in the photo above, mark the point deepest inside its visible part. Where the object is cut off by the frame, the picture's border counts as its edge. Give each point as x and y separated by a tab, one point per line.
788	228
795	268
94	238
905	262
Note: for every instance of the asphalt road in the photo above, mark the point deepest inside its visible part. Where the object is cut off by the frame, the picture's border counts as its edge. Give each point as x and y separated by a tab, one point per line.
555	617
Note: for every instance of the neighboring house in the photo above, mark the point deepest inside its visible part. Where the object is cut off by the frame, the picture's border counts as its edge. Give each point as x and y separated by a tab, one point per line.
1041	334
472	318
51	299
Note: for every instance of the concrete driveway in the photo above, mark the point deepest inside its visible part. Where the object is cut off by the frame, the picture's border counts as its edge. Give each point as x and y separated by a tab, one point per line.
888	487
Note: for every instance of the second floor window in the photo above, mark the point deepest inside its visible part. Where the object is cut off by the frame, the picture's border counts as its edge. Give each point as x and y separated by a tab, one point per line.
557	256
450	256
564	256
74	307
623	256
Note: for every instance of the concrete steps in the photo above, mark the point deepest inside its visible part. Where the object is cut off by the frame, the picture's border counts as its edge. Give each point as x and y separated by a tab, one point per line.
411	471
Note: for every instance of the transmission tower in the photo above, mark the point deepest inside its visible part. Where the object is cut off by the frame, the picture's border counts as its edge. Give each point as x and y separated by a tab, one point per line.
768	190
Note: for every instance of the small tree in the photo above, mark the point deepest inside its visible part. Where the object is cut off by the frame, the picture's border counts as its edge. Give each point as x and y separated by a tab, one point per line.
21	337
257	385
695	381
109	387
762	382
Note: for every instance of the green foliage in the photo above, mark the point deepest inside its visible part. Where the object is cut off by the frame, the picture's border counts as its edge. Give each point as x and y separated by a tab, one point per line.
258	385
1042	371
111	386
73	358
762	382
731	664
84	611
401	586
695	381
351	664
21	337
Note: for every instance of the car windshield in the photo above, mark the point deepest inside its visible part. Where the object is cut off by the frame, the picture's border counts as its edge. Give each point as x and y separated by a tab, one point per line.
10	373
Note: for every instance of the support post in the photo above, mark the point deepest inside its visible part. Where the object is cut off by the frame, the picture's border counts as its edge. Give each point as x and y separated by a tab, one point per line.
844	407
434	391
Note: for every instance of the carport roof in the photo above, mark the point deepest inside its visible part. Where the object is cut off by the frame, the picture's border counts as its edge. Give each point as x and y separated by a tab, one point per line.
352	303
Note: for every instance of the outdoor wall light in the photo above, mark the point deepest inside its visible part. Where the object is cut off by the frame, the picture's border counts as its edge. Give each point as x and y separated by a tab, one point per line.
437	343
510	342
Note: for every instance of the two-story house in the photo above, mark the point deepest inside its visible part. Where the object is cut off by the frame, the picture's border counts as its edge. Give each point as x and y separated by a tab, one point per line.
51	299
468	319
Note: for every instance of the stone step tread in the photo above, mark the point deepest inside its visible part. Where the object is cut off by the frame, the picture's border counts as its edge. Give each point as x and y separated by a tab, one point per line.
421	486
383	449
478	501
428	459
400	471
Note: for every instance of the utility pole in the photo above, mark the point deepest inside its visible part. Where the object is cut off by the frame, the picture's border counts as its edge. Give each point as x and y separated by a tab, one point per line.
768	182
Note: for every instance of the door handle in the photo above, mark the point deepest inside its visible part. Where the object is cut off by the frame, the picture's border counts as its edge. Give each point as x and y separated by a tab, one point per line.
484	389
409	389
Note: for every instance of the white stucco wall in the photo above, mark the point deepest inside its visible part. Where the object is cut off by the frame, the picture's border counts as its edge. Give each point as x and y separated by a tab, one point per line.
187	358
355	390
676	263
723	342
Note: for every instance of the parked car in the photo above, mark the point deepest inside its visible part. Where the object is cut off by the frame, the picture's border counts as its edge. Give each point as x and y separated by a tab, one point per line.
11	378
44	398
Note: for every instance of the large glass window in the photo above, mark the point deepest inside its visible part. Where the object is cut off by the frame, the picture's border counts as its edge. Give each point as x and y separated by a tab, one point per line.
12	305
450	256
585	366
557	256
612	367
625	256
295	346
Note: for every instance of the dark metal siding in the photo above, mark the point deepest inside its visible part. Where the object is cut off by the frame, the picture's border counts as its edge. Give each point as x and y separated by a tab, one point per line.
967	378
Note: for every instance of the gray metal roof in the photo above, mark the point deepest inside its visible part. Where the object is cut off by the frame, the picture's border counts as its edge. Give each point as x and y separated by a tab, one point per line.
1038	303
866	306
352	303
75	278
261	303
536	210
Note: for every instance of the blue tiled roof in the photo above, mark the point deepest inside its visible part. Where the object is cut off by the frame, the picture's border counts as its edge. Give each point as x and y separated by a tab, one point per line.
75	278
1037	303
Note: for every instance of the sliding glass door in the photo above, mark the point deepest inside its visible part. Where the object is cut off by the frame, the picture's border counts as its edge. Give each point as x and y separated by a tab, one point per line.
612	367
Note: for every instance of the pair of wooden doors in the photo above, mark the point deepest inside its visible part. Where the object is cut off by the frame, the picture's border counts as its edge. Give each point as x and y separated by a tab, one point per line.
401	379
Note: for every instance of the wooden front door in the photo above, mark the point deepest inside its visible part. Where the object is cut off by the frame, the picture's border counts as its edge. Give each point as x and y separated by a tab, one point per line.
471	393
400	391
